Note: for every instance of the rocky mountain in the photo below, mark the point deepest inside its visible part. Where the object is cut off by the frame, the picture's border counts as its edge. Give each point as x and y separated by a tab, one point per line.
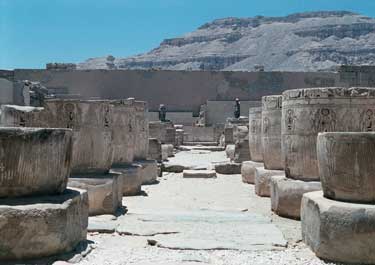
311	41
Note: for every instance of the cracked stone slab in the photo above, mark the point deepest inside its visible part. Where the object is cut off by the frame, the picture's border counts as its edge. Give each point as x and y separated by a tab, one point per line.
102	224
199	174
205	230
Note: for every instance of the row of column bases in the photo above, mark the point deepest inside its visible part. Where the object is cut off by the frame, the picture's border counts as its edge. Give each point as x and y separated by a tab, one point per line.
66	161
312	151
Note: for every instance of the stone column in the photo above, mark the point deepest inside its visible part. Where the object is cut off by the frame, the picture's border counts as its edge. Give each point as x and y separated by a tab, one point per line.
271	132
255	134
36	209
338	223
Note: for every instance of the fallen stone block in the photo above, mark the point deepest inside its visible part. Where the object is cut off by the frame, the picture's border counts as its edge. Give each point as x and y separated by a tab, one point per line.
287	194
37	227
34	161
104	191
274	191
338	231
199	174
248	171
263	180
174	168
131	179
148	171
228	168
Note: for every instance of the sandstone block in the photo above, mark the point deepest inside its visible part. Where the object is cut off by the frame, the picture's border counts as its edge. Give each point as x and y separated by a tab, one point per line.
229	150
263	180
199	174
34	161
338	231
123	134
154	149
104	191
274	191
37	227
248	171
148	171
347	166
141	130
175	168
255	134
131	178
168	149
286	196
242	151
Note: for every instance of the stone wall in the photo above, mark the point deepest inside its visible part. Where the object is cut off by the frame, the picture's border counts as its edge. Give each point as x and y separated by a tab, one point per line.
6	91
186	90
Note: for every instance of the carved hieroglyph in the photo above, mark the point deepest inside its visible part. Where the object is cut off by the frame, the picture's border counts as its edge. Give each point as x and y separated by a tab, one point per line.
347	166
255	134
271	132
141	131
306	112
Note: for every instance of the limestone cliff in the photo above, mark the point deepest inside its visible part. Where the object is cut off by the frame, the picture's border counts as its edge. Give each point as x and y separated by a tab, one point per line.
311	41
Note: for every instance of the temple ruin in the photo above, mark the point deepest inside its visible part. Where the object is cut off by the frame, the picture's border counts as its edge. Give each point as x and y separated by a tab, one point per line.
79	165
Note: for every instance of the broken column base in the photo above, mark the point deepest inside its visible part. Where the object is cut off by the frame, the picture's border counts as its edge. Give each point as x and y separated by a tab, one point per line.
228	168
42	226
104	191
149	171
131	178
263	180
338	231
248	171
286	195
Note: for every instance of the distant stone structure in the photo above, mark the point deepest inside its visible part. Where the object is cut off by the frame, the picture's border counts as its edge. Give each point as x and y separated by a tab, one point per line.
61	66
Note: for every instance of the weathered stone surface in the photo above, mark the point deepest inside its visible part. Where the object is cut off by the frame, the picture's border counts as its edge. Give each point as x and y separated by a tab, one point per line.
274	191
338	231
241	132
154	149
263	180
36	227
306	112
130	178
170	136
228	168
248	171
271	132
168	149
21	116
123	133
286	196
241	151
199	174
91	121
347	166
148	172
141	130
34	161
255	134
228	133
158	130
104	191
229	150
179	137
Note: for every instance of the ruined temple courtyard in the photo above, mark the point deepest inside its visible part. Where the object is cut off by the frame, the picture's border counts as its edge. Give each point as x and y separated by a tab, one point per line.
197	221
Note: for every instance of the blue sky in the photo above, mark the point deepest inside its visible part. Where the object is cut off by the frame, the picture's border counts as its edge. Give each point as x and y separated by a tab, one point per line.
33	32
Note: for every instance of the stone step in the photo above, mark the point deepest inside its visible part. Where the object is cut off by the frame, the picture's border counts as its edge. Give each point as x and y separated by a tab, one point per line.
199	174
201	143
